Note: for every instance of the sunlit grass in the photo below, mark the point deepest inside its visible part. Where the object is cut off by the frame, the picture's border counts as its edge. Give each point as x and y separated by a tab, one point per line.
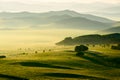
61	60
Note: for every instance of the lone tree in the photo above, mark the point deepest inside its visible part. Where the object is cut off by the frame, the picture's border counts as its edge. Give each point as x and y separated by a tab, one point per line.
80	50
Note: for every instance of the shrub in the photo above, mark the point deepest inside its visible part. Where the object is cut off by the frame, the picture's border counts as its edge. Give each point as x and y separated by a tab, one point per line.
118	45
81	48
115	47
2	56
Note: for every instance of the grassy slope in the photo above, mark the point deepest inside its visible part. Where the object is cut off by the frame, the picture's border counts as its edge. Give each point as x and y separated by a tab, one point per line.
62	64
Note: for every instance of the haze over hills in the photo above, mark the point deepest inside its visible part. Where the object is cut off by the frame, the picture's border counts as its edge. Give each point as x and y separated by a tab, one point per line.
112	30
92	39
83	23
76	14
53	19
82	6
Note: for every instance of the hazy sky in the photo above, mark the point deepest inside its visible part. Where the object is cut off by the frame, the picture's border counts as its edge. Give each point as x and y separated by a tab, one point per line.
83	1
48	5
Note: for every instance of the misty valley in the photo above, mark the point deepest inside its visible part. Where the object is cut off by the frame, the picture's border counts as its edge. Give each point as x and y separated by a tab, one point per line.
58	45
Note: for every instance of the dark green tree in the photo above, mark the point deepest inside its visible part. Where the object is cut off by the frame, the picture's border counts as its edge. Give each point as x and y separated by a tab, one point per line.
81	48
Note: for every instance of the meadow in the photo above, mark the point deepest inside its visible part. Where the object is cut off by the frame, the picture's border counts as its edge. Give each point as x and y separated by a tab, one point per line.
60	63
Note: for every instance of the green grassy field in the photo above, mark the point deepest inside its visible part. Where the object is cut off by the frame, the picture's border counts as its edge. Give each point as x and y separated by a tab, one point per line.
60	64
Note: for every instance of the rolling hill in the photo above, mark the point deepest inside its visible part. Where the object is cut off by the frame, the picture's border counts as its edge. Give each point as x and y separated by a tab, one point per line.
92	39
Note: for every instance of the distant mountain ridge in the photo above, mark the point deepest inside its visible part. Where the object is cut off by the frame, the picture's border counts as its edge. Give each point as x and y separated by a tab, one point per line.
56	19
57	13
92	39
76	14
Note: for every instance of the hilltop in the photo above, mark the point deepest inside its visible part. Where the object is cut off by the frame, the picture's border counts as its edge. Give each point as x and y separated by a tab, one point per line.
92	39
